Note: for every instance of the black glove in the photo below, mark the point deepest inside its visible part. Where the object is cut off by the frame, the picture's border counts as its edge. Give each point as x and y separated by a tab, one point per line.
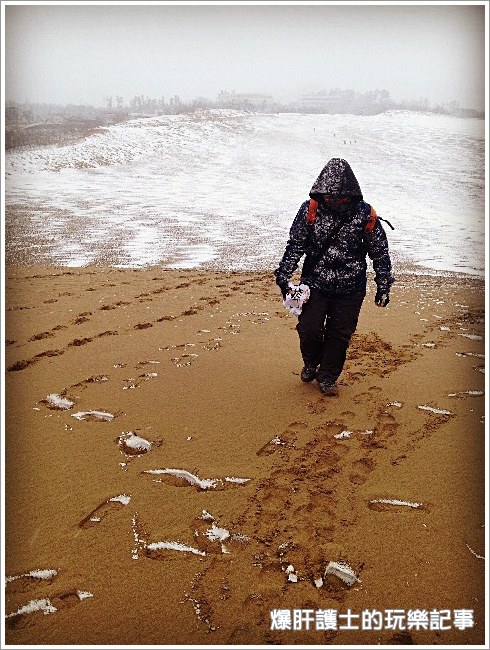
284	287
382	298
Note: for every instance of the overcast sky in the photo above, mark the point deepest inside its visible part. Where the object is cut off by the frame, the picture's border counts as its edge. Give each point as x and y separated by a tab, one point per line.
82	54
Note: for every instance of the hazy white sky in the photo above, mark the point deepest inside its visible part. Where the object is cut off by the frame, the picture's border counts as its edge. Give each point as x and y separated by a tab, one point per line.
65	53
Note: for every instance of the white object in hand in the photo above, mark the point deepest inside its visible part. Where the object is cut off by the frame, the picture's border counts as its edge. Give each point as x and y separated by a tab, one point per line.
296	296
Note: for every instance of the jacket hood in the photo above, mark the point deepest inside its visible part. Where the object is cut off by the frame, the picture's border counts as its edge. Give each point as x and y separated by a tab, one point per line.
336	178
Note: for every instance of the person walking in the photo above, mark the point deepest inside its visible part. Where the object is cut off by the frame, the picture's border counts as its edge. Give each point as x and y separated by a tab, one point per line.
335	230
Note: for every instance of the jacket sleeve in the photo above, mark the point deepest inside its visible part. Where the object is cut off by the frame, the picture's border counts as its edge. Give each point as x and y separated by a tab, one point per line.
295	248
377	249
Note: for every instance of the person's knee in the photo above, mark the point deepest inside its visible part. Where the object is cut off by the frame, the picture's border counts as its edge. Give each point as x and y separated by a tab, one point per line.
309	331
342	336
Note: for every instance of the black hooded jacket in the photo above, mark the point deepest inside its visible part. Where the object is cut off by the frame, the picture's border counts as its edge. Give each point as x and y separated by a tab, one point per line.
338	268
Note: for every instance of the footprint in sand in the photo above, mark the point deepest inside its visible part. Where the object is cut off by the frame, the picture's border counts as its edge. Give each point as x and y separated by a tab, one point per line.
356	376
142	326
49	353
347	414
42	335
362	397
361	470
185	360
192	311
319	406
69	598
339	577
272	499
58	402
322	504
162	319
213	344
272	446
25	581
395	505
386	424
95	379
82	317
113	306
94	416
107	333
22	616
208	538
21	365
134	446
78	342
25	363
436	411
212	538
159	550
183	478
110	505
283	441
211	301
26	614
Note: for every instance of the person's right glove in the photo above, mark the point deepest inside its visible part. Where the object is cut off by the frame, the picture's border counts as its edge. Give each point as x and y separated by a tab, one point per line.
382	298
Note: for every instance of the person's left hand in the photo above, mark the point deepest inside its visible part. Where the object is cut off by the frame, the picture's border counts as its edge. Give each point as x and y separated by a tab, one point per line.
382	298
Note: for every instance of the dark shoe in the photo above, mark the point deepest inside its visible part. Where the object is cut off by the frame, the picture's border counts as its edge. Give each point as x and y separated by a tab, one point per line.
329	389
308	374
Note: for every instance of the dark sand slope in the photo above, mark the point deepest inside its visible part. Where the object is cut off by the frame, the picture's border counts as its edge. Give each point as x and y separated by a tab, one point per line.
271	482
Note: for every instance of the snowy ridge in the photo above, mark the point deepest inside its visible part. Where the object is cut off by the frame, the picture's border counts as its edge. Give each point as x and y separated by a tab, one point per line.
219	189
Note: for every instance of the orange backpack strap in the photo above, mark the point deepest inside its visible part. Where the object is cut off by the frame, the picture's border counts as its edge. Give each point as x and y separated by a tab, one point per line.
312	208
371	220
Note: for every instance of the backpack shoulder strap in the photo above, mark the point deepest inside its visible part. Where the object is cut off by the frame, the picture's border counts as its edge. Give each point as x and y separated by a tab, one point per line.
372	218
312	208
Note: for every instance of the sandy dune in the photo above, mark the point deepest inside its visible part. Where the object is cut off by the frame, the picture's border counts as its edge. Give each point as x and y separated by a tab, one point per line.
170	480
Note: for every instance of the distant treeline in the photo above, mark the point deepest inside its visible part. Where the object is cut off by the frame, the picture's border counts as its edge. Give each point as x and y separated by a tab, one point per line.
334	101
35	124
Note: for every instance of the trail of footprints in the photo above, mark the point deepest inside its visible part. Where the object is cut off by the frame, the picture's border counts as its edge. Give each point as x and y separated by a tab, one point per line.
85	316
296	516
34	585
302	493
280	508
210	536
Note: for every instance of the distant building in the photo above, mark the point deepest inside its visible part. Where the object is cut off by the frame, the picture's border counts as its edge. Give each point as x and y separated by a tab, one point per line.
345	101
232	99
321	102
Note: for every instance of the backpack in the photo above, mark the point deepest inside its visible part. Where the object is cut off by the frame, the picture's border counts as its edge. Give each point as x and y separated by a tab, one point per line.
372	218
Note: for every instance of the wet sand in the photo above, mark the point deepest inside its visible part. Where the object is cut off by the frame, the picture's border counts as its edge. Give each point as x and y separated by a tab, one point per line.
198	372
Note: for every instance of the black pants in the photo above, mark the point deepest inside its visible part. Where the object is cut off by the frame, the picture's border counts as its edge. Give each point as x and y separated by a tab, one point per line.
325	327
